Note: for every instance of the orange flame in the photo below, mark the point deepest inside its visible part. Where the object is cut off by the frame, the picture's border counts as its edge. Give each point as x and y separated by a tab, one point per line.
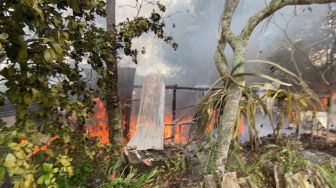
177	134
37	148
100	128
241	125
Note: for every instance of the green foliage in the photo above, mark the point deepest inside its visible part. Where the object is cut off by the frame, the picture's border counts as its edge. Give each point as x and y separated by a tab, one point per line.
328	171
27	171
256	96
177	165
259	166
132	179
210	166
254	165
43	44
48	179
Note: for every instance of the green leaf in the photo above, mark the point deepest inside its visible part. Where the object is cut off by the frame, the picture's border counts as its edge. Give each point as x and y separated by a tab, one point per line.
55	170
39	12
74	4
261	75
47	55
47	167
47	179
58	50
18	170
36	93
2	173
66	138
275	65
2	140
30	125
27	99
53	53
22	55
4	36
40	180
45	40
10	161
20	154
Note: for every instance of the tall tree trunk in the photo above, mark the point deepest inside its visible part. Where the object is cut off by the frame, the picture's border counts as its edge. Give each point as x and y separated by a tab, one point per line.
111	81
229	116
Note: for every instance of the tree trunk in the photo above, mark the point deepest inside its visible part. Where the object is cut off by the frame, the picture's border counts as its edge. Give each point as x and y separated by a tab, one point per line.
111	81
229	116
110	15
227	123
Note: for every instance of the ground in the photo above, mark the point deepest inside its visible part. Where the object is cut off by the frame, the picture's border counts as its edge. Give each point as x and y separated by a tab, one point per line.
291	155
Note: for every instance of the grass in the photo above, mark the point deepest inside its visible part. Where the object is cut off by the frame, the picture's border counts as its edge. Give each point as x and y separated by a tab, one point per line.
259	166
328	171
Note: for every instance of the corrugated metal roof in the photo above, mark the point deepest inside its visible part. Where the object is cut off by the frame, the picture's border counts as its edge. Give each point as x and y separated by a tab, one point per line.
8	109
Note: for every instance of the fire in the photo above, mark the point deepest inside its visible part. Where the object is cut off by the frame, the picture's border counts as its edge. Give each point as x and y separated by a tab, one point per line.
168	129
241	125
36	149
99	128
182	131
177	135
173	133
212	114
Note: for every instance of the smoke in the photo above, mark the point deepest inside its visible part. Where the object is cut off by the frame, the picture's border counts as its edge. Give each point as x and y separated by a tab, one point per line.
194	26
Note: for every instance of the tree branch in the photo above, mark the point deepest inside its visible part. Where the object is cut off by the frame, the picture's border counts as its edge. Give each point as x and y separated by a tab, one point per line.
226	35
271	8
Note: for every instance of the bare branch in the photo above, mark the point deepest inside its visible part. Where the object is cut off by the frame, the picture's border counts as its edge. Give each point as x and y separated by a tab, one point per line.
271	8
226	35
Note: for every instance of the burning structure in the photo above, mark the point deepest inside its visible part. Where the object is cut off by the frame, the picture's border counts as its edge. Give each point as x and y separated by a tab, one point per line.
178	112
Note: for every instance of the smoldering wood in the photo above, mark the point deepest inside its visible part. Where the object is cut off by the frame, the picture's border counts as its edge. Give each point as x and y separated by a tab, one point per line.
150	124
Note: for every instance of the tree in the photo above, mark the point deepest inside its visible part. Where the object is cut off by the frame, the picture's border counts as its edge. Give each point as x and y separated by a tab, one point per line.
111	93
312	56
238	44
43	45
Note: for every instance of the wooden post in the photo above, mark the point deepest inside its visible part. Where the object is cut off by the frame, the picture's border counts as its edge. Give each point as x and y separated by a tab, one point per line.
126	83
174	112
329	111
174	104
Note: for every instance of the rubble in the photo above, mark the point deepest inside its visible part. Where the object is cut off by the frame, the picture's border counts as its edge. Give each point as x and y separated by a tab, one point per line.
230	180
307	178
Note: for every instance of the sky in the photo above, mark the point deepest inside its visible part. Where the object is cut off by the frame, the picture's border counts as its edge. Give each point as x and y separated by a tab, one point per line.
196	33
